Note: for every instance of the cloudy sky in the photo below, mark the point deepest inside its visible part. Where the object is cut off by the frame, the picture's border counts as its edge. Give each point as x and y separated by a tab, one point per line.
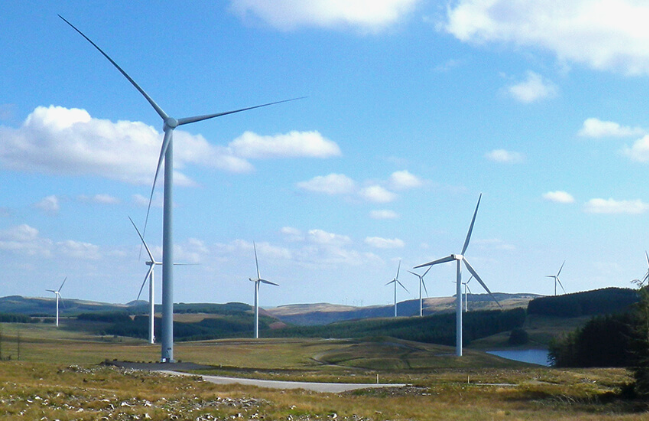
413	108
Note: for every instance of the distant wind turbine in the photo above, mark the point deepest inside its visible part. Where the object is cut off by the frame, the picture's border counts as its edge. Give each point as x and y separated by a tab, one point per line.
166	154
458	297
421	283
466	295
646	276
57	293
556	279
257	282
396	281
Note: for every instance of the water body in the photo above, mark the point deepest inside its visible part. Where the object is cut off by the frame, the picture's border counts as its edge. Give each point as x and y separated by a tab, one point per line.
532	356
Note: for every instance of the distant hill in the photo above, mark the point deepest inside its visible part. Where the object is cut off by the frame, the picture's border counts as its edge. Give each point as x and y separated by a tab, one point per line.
588	303
322	313
30	306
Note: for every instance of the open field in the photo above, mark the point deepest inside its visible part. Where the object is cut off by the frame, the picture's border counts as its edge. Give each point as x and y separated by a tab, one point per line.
58	377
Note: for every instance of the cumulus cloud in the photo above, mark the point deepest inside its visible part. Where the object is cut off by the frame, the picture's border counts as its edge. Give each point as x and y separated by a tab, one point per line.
504	156
49	204
366	15
291	145
384	243
58	140
602	34
383	214
377	194
612	206
558	197
639	151
78	250
402	180
24	239
594	127
533	88
101	199
319	236
331	184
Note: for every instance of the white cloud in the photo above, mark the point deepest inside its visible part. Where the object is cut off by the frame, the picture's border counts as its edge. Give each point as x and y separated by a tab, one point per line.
101	199
78	250
377	194
594	127
384	243
366	15
319	236
49	204
504	156
291	145
383	214
602	34
402	180
533	88
143	201
612	206
330	184
292	234
558	197
24	239
639	152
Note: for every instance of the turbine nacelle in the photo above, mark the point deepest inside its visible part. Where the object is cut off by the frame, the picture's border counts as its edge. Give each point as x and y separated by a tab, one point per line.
170	123
457	256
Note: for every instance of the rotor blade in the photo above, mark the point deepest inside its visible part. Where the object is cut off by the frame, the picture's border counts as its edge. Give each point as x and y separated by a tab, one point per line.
424	284
469	279
398	268
561	268
477	277
559	281
188	120
256	260
468	235
468	289
155	106
186	264
165	143
424	274
402	286
438	261
143	242
391	282
645	253
59	290
144	282
51	290
268	282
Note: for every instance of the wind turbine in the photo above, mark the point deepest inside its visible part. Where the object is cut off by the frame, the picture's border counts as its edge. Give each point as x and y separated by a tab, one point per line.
257	282
421	283
556	279
466	295
166	154
57	293
396	281
646	276
459	258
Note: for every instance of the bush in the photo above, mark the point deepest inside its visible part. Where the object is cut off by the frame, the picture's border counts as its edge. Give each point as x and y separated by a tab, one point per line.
518	337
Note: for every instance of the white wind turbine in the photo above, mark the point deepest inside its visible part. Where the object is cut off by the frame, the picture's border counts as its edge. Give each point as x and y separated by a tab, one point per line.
646	276
466	295
556	279
257	282
459	258
166	154
57	293
396	281
421	283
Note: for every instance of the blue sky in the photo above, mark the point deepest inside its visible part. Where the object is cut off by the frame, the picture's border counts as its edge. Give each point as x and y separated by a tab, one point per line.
413	108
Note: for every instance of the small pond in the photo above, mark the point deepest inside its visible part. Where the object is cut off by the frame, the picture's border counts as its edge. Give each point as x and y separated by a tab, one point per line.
532	356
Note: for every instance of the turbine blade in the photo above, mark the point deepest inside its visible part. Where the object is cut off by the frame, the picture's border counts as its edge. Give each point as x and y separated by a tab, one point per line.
559	281
561	268
438	261
391	282
51	290
59	290
477	277
165	143
155	106
429	268
645	253
398	268
268	282
403	286
468	235
186	264
188	120
424	284
256	260
143	242
144	282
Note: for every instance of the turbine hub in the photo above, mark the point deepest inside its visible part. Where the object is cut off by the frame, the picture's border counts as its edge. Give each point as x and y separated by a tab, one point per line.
457	256
171	122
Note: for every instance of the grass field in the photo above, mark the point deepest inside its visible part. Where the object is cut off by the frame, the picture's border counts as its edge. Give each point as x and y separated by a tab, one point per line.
59	377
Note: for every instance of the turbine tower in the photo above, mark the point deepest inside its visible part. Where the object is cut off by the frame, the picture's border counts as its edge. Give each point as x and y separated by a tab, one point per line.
149	276
257	282
459	258
166	155
396	281
466	295
556	279
57	293
421	283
